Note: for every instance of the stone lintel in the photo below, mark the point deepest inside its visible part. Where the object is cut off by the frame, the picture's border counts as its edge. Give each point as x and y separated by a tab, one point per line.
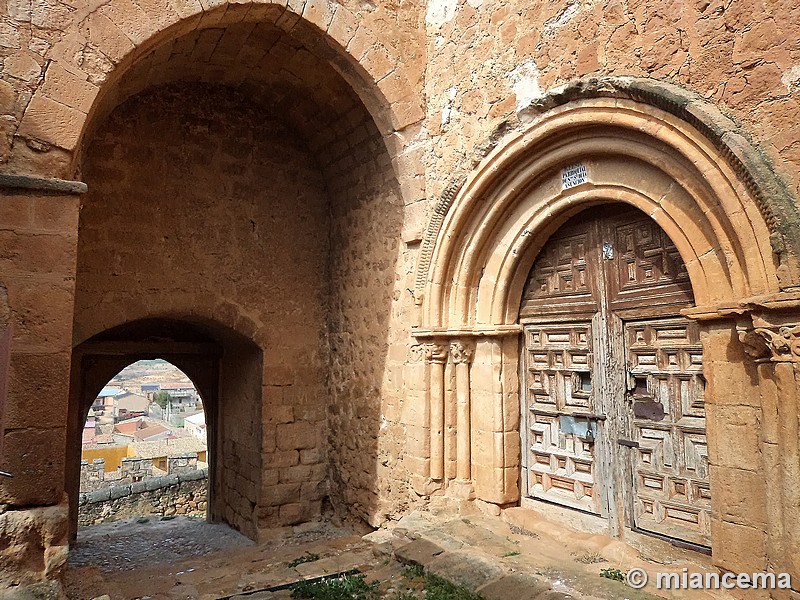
41	184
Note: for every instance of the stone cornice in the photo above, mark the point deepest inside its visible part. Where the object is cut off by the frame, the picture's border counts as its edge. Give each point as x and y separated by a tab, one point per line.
478	331
42	184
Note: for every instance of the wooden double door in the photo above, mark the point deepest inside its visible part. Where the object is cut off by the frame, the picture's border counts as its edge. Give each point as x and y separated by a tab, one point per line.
613	415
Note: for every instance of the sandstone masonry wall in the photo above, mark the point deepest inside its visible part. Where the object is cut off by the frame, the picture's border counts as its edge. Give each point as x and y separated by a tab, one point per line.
169	495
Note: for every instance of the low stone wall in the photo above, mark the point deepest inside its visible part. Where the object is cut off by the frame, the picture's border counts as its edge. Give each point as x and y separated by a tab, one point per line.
175	494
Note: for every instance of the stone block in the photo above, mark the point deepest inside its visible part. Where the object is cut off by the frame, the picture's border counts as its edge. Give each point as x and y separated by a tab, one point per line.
277	460
52	122
282	493
465	569
297	436
513	586
419	552
36	459
119	491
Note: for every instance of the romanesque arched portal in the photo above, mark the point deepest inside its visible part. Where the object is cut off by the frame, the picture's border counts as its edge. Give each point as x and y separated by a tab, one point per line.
675	159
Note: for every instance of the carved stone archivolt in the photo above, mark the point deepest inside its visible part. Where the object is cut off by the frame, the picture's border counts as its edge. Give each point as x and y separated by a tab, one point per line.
773	344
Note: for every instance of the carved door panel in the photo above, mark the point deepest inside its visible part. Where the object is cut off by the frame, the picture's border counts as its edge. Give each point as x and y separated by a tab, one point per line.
671	494
560	457
604	291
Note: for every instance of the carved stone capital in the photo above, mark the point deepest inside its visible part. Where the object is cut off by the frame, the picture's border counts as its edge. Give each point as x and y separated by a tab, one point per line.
436	353
460	353
774	344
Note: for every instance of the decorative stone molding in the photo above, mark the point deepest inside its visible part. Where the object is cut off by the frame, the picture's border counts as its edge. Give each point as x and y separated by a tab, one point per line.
461	353
772	344
41	184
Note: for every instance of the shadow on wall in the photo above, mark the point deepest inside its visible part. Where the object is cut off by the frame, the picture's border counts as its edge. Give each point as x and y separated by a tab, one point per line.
209	206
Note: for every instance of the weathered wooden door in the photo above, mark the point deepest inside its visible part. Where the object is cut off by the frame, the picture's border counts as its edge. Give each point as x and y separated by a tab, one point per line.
613	388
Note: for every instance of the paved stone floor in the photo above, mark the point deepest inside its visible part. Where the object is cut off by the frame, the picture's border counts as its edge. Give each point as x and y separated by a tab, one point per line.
519	556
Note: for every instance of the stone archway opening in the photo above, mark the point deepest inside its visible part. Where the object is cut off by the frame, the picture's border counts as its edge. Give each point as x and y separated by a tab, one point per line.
144	447
236	178
225	369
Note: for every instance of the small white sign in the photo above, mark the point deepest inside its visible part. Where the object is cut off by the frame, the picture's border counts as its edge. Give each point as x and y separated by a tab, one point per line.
573	175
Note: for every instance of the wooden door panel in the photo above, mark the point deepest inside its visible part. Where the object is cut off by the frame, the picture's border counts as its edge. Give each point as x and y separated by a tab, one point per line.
563	277
559	459
671	490
646	268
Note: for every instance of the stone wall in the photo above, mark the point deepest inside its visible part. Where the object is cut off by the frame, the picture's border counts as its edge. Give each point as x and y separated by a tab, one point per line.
487	62
267	171
183	493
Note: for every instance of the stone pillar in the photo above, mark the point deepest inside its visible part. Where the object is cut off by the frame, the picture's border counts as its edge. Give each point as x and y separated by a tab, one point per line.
773	344
415	416
495	420
462	356
39	220
436	356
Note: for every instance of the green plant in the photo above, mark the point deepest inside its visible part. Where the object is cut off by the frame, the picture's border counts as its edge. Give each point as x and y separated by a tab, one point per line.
437	588
511	553
405	596
614	574
413	571
306	558
346	587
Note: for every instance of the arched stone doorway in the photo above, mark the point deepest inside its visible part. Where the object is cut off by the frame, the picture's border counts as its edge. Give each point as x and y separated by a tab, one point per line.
226	370
612	391
669	154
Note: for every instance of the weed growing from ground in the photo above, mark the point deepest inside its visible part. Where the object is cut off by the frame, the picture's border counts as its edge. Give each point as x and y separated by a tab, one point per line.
437	588
306	558
413	571
614	574
511	553
347	587
590	558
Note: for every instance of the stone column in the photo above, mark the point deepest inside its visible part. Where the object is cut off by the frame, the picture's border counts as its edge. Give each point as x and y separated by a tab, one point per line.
436	357
495	419
462	356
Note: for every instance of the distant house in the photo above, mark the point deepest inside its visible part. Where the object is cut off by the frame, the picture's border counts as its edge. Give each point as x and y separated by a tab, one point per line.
130	405
142	429
159	450
183	396
150	388
106	402
89	429
196	425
